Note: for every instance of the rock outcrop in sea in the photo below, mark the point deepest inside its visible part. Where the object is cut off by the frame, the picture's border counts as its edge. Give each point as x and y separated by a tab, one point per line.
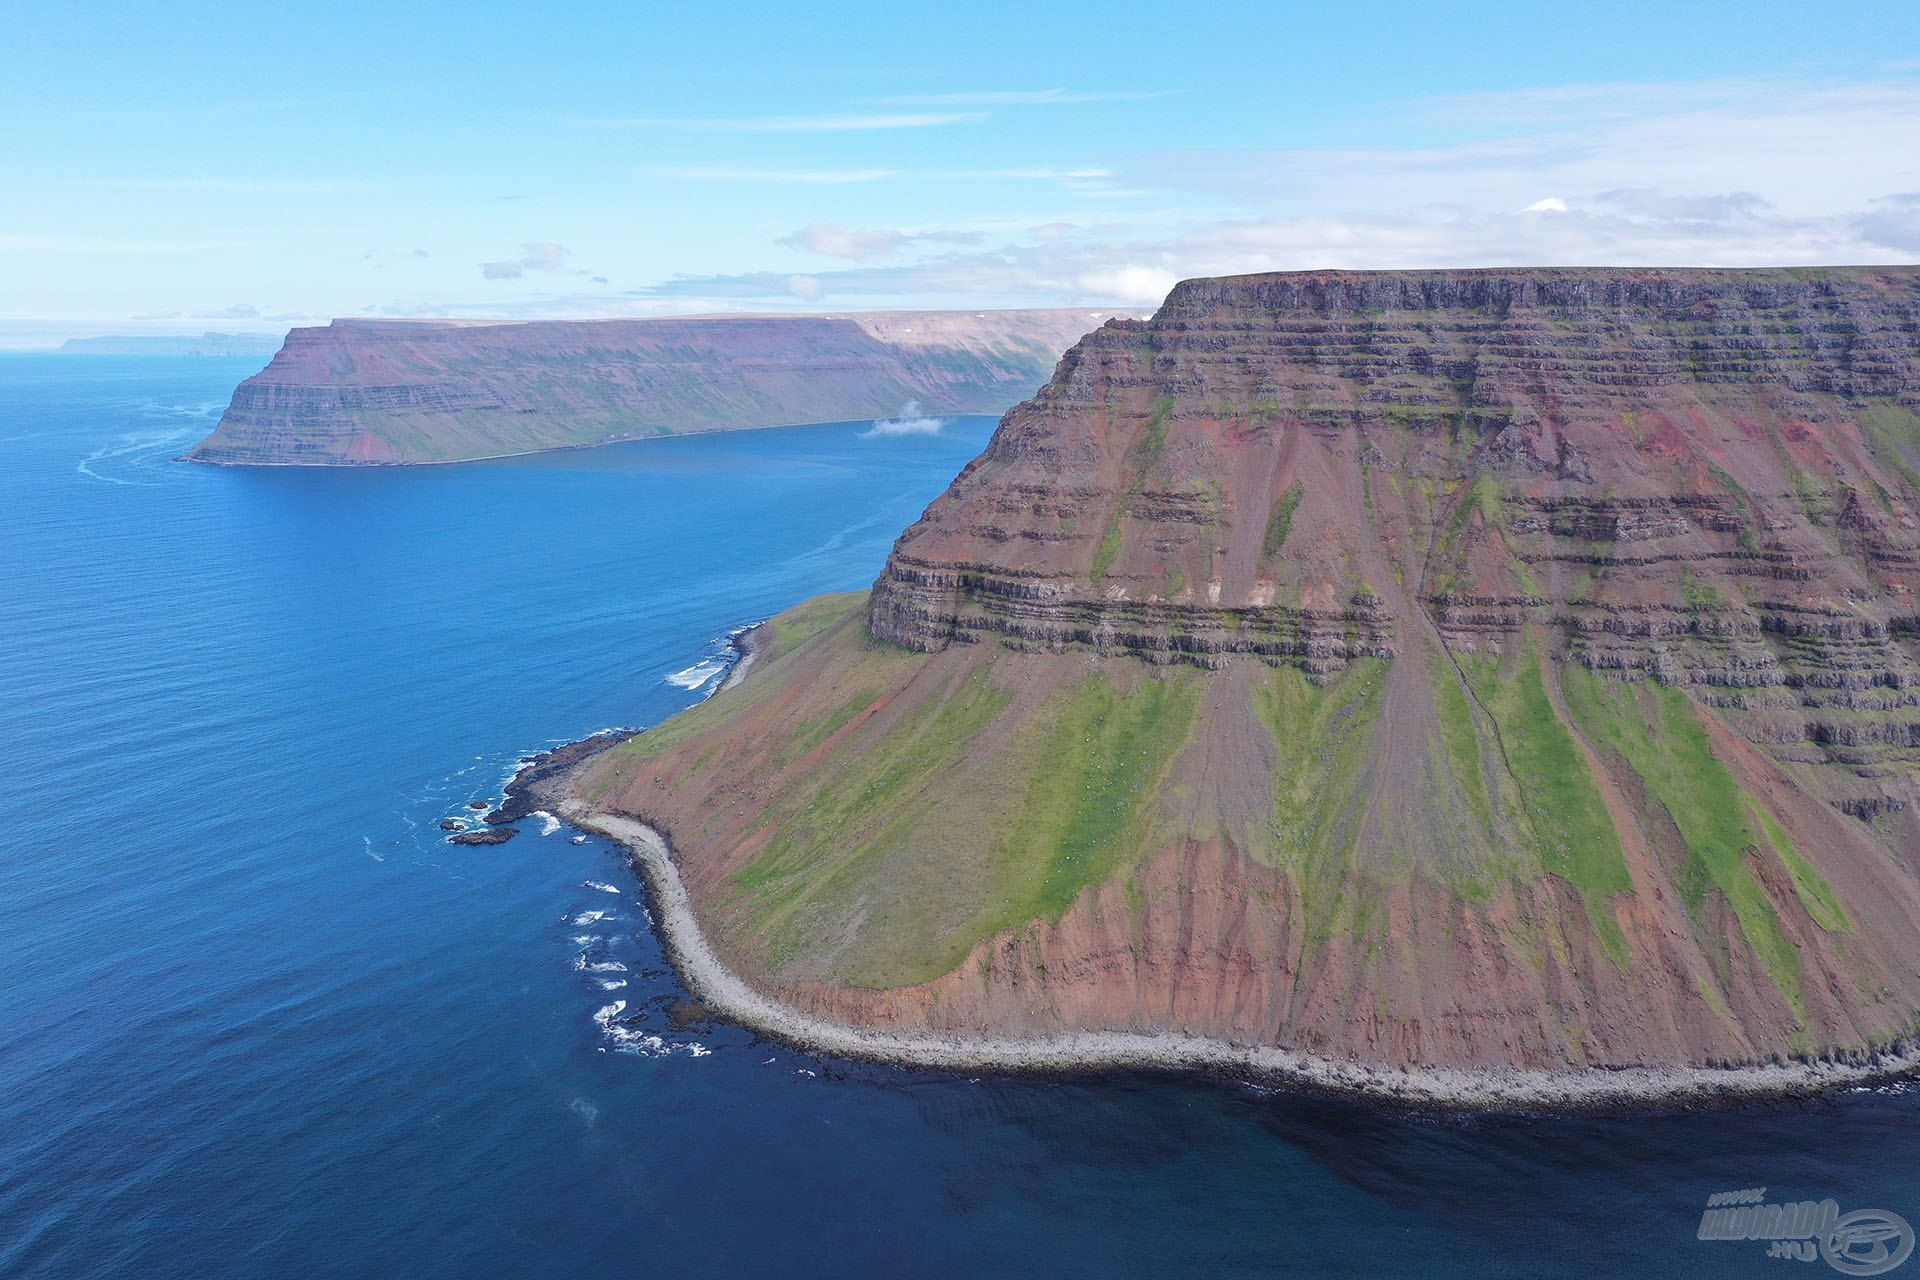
1484	670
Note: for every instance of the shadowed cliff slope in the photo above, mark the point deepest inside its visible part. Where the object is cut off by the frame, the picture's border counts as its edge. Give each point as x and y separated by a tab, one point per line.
1465	668
361	392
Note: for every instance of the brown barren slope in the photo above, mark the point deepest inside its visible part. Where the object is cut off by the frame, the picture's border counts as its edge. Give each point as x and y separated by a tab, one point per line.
368	392
1464	669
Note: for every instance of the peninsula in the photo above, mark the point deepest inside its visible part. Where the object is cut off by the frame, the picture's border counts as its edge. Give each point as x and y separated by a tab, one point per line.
373	392
1491	686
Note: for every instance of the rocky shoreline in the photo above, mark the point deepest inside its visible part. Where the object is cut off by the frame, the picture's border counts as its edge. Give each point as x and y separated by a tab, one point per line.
543	784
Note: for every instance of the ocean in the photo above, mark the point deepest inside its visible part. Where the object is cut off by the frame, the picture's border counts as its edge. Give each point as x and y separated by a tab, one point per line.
258	1019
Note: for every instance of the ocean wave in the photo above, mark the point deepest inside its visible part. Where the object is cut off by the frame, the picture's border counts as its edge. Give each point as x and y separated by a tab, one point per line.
644	1044
695	676
595	884
548	823
586	918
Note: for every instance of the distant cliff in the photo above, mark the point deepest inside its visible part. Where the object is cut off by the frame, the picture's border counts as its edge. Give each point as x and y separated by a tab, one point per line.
222	345
365	392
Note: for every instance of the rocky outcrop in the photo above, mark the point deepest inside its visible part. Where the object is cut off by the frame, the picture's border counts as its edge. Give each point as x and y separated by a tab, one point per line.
364	392
1466	669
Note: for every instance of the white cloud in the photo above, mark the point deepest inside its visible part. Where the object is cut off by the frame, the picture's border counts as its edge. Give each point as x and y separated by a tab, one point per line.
1894	221
851	243
229	186
535	255
104	245
1130	283
794	177
1077	177
1807	149
806	287
542	255
861	123
1014	98
857	244
910	423
1723	173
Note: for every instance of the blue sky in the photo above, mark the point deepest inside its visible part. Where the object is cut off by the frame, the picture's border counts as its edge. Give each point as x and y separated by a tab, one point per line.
174	168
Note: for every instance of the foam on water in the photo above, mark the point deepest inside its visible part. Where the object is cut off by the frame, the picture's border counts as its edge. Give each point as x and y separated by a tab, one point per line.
633	1040
695	676
131	450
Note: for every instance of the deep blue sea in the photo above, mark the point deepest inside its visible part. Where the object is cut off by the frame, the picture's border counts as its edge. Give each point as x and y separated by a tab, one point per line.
257	1019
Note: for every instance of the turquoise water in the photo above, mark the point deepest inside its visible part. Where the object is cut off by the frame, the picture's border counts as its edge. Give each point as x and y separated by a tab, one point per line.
258	1019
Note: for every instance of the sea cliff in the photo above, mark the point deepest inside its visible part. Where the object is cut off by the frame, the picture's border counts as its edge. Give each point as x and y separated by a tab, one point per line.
1488	672
371	392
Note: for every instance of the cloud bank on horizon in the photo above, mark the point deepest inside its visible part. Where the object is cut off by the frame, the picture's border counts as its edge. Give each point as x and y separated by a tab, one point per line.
900	176
1737	174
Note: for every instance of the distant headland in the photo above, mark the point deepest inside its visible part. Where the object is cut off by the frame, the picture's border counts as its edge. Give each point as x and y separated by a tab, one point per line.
374	392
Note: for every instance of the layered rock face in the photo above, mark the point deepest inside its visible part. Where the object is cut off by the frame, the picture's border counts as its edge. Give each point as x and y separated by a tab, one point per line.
361	392
1466	668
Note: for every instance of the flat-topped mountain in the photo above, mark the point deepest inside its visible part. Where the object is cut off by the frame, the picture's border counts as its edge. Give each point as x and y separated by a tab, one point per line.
1508	668
360	392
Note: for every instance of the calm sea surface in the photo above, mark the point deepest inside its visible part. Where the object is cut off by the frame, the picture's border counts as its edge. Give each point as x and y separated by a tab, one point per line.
257	1019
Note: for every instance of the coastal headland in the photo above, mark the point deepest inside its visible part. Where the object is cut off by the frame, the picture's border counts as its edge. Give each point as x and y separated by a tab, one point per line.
1480	688
394	392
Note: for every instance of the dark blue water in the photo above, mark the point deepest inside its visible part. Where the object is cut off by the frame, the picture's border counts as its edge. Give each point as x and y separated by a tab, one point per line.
257	1019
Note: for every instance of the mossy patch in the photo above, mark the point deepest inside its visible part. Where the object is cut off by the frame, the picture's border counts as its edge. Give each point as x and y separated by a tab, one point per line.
1142	458
1323	734
812	731
1458	736
833	842
1109	547
1658	733
1573	834
1808	884
1697	594
866	872
791	629
1098	760
1280	522
809	618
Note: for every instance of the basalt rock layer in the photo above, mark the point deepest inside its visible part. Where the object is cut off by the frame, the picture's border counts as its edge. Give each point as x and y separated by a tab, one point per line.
1453	669
361	392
